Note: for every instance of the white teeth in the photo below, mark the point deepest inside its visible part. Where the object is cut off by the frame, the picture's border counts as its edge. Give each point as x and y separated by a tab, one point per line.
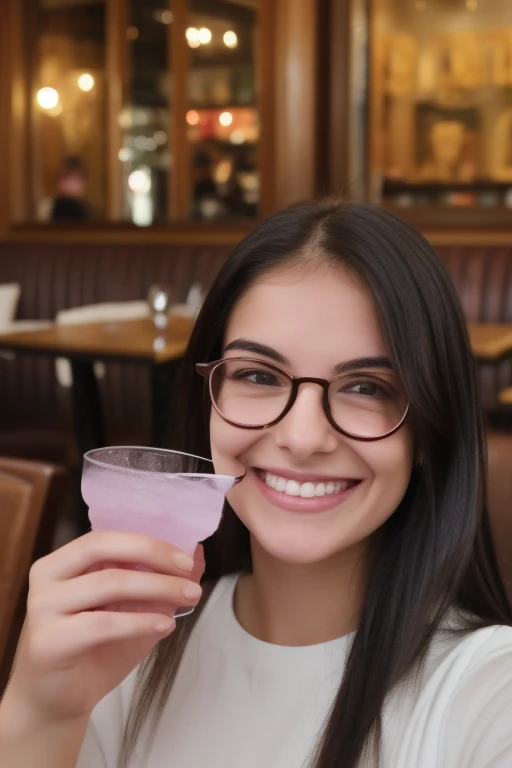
292	488
305	490
308	491
280	484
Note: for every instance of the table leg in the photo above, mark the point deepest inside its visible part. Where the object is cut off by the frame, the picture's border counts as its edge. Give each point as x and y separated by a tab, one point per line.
87	407
163	378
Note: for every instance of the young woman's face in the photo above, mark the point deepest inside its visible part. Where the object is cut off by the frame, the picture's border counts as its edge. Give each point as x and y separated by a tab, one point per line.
314	322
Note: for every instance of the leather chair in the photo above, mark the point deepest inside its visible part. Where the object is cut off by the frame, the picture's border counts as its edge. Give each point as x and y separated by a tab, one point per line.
500	500
30	496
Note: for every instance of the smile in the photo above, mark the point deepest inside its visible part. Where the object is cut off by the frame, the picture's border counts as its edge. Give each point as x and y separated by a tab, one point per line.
307	490
301	493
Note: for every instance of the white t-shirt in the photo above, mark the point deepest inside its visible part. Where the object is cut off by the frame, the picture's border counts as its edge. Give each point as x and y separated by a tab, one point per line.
238	702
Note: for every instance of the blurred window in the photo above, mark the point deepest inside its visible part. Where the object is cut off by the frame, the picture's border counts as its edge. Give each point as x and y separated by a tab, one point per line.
441	103
69	115
118	135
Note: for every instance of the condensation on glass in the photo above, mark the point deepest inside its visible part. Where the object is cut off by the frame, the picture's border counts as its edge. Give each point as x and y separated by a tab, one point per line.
223	125
441	103
69	111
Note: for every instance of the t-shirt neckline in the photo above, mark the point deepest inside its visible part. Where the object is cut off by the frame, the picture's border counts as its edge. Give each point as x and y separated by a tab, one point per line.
248	646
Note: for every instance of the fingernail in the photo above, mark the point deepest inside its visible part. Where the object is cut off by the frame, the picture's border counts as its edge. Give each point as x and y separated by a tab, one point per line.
192	591
183	561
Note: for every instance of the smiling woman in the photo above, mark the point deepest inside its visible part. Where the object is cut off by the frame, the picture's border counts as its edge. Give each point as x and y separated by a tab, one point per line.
352	614
350	545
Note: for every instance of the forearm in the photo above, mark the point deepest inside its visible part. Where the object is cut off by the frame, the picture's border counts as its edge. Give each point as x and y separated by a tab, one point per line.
25	743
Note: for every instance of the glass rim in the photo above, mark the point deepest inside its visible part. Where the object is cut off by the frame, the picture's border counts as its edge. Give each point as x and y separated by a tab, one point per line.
89	457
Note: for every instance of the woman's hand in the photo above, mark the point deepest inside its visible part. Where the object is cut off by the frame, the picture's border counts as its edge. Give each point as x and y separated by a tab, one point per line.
96	607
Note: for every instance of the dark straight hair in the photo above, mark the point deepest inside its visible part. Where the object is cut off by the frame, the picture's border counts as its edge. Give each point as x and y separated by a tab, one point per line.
436	550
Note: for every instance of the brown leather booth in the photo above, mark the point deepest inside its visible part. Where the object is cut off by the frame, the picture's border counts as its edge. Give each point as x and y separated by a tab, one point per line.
483	278
35	413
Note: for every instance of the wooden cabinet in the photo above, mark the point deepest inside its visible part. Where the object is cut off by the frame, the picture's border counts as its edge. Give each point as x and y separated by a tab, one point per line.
170	116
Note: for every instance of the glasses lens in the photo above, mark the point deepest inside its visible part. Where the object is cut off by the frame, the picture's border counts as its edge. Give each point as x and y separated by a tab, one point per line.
248	392
367	405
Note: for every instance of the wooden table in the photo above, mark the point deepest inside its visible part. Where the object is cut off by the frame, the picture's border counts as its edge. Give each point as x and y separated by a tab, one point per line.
132	341
490	342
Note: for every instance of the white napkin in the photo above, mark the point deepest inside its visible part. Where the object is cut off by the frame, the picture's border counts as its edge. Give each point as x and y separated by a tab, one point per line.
9	297
95	313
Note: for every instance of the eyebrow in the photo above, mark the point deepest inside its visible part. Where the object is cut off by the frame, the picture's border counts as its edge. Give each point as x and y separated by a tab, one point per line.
246	345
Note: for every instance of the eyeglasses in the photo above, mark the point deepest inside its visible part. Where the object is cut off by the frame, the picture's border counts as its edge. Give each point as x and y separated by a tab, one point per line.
251	394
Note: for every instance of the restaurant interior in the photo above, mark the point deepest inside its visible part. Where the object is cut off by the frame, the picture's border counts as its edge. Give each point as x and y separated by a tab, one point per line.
141	140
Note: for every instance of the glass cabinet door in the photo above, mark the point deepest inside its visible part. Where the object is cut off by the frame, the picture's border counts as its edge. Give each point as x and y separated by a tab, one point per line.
222	112
69	111
145	111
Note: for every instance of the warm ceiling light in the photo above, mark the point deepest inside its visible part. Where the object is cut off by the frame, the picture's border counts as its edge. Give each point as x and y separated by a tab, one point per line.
204	35
192	35
125	154
192	117
237	137
86	82
230	39
164	17
225	118
47	98
139	181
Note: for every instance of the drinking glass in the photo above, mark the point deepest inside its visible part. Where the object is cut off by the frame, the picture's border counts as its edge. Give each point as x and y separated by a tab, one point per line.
160	300
169	495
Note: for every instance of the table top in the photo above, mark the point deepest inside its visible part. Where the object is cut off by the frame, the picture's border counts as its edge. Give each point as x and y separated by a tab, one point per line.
139	340
129	340
490	341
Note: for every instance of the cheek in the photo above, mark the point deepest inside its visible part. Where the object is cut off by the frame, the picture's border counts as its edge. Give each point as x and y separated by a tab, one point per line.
391	464
227	443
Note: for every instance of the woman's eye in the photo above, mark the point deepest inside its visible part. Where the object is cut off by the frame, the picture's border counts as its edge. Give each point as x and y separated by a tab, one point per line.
365	388
263	378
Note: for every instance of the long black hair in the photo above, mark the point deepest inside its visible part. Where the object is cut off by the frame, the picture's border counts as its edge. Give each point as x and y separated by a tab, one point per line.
435	551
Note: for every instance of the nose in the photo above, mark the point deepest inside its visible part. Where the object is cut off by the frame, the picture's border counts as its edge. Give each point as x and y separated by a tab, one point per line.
305	430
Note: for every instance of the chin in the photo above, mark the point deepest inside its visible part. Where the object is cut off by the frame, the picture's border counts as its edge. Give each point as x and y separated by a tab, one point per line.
294	548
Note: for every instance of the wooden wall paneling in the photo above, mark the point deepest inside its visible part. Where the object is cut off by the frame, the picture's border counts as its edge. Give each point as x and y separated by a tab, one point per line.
117	69
5	113
376	85
295	76
21	27
179	176
339	97
265	69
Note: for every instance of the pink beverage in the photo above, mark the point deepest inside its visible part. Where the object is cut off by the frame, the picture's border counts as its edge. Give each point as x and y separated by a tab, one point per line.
155	493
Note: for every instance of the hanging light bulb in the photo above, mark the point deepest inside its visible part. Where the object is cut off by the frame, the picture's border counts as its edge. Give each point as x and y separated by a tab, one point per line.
230	39
47	98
